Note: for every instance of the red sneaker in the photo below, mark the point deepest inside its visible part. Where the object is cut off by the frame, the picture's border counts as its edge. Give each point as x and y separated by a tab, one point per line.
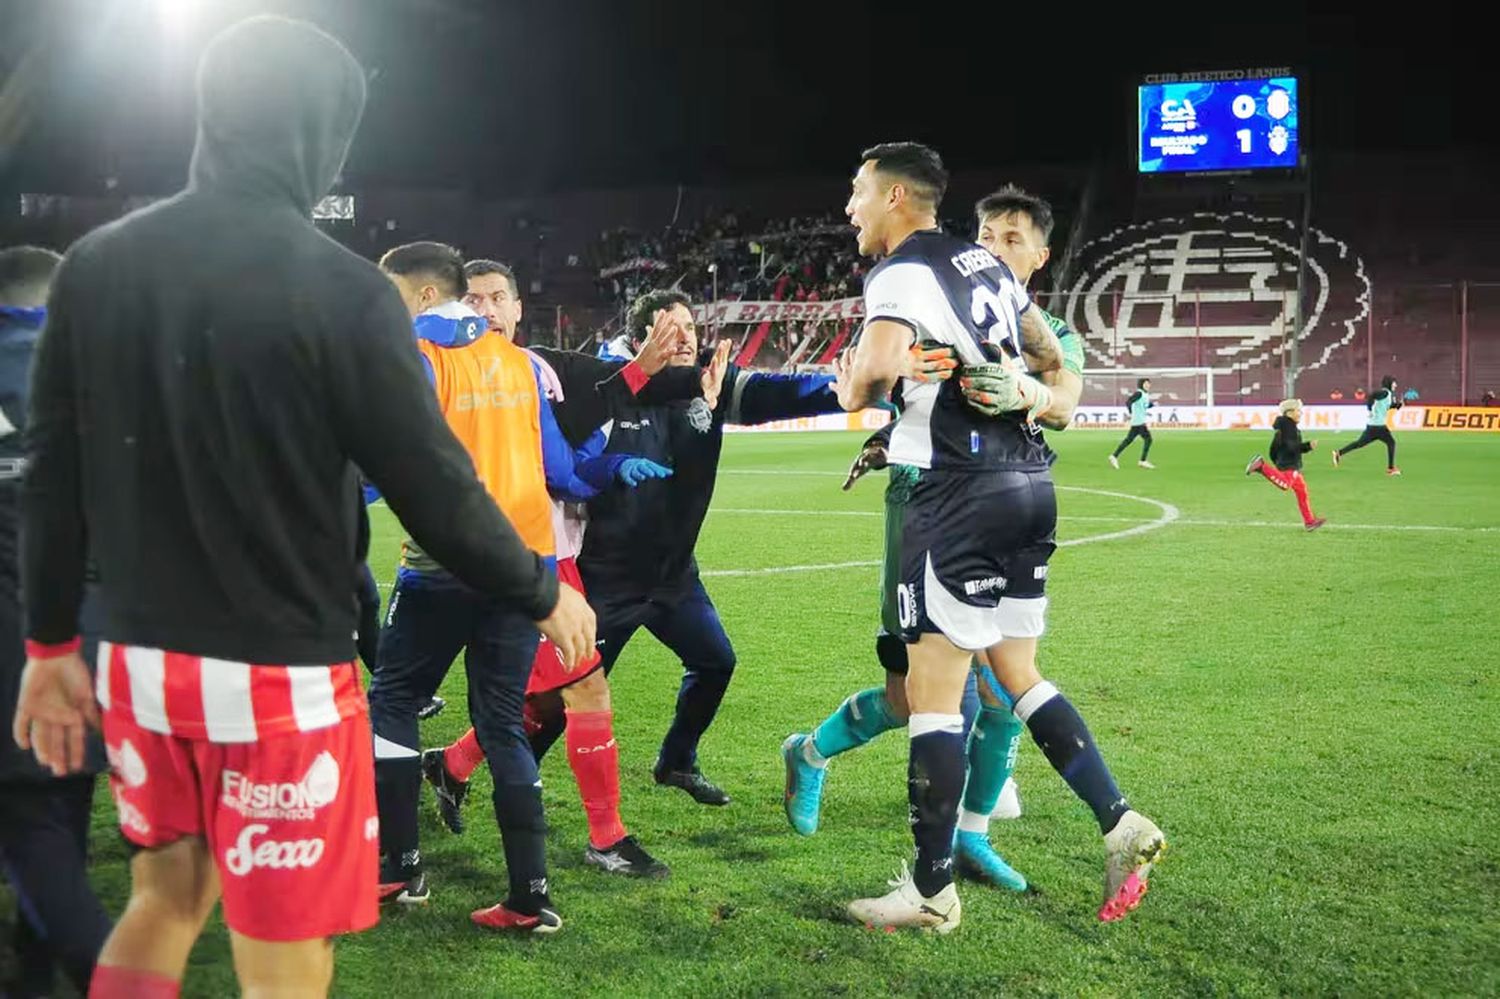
1393	471
1316	522
498	917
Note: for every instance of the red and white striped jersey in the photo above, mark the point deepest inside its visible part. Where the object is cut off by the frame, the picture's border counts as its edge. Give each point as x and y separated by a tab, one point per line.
195	697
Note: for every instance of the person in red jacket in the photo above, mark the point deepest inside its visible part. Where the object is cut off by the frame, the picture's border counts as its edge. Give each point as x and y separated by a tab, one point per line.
1284	470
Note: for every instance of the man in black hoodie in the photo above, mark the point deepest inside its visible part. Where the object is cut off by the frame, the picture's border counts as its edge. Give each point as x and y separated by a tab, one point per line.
197	434
1287	449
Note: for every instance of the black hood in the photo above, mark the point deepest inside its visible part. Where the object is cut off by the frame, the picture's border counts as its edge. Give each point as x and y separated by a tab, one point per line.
278	104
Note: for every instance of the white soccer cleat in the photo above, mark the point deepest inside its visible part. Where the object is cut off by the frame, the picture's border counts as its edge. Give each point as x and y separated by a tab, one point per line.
1114	461
1009	805
905	907
1133	847
1145	464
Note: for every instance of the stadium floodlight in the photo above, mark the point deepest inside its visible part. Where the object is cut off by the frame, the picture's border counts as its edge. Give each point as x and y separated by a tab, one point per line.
177	15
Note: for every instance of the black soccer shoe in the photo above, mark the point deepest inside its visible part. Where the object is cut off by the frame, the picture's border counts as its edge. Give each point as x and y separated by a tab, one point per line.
626	857
449	790
703	791
432	708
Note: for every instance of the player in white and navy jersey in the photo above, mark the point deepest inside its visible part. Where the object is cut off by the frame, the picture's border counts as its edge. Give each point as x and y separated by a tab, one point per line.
978	530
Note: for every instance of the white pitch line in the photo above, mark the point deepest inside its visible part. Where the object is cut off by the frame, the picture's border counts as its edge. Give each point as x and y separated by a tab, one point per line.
1334	525
878	513
778	569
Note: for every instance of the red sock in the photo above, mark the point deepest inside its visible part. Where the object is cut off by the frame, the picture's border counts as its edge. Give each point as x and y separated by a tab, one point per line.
112	982
595	759
464	756
1299	487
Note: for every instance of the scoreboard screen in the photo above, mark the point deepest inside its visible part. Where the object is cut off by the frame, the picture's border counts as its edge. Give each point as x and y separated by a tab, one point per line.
1243	124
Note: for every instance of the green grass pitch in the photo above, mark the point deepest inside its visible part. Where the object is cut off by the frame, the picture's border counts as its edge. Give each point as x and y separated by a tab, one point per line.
1314	719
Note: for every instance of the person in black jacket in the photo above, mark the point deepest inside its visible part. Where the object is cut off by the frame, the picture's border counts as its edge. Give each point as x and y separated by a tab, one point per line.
44	820
197	433
637	560
1285	468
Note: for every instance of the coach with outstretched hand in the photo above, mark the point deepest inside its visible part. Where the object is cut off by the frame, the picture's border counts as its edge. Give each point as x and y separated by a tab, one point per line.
211	372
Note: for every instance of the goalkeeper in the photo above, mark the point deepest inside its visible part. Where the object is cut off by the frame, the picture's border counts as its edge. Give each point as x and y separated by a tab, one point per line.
1049	399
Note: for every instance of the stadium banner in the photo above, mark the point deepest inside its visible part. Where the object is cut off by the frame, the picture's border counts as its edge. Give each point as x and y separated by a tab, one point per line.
1314	418
1481	418
1220	418
749	313
867	420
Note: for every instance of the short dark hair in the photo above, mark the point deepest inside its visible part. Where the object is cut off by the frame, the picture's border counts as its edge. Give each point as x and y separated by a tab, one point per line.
1011	199
1388	382
479	268
918	165
438	261
1140	383
25	273
648	305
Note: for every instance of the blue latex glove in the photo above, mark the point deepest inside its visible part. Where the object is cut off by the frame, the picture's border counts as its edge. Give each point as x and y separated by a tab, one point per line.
634	471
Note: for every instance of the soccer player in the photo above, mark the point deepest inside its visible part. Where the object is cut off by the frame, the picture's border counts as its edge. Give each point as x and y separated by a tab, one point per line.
44	820
977	531
637	557
1285	469
586	385
195	433
491	395
1137	405
1015	226
1379	402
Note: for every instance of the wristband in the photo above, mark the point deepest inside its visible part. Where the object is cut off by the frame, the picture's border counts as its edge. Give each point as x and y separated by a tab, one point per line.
43	650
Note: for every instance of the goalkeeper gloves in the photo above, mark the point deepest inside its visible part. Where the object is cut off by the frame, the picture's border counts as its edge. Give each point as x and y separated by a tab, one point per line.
997	388
871	458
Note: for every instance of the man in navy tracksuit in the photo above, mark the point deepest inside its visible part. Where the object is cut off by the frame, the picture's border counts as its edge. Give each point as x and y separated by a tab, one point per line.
637	561
44	820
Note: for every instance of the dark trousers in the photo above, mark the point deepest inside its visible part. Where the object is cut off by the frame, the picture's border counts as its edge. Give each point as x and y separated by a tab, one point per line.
44	828
685	622
1370	436
431	619
1144	433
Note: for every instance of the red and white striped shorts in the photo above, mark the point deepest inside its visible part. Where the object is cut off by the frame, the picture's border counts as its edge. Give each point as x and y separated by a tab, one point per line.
270	765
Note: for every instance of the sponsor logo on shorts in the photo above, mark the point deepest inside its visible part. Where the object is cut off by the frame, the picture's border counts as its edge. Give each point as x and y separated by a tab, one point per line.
906	606
131	818
1040	572
976	586
247	853
126	762
286	802
372	826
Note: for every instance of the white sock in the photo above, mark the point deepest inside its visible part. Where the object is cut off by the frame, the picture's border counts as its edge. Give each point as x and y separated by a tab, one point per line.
922	724
971	822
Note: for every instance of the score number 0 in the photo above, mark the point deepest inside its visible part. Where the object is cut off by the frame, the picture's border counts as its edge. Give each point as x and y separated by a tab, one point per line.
1278	105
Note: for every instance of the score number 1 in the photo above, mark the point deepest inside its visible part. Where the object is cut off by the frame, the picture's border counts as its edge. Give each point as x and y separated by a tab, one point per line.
1243	107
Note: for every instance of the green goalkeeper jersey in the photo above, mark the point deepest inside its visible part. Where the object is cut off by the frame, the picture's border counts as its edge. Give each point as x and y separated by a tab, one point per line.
1072	343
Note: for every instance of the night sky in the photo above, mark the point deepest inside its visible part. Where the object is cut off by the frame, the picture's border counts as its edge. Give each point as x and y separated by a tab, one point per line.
511	98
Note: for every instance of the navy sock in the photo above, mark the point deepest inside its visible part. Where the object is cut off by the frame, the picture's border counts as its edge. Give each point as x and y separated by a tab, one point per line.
1066	742
398	790
934	784
523	832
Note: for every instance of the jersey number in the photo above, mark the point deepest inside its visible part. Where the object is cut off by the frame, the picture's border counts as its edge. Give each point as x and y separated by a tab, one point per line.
986	308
